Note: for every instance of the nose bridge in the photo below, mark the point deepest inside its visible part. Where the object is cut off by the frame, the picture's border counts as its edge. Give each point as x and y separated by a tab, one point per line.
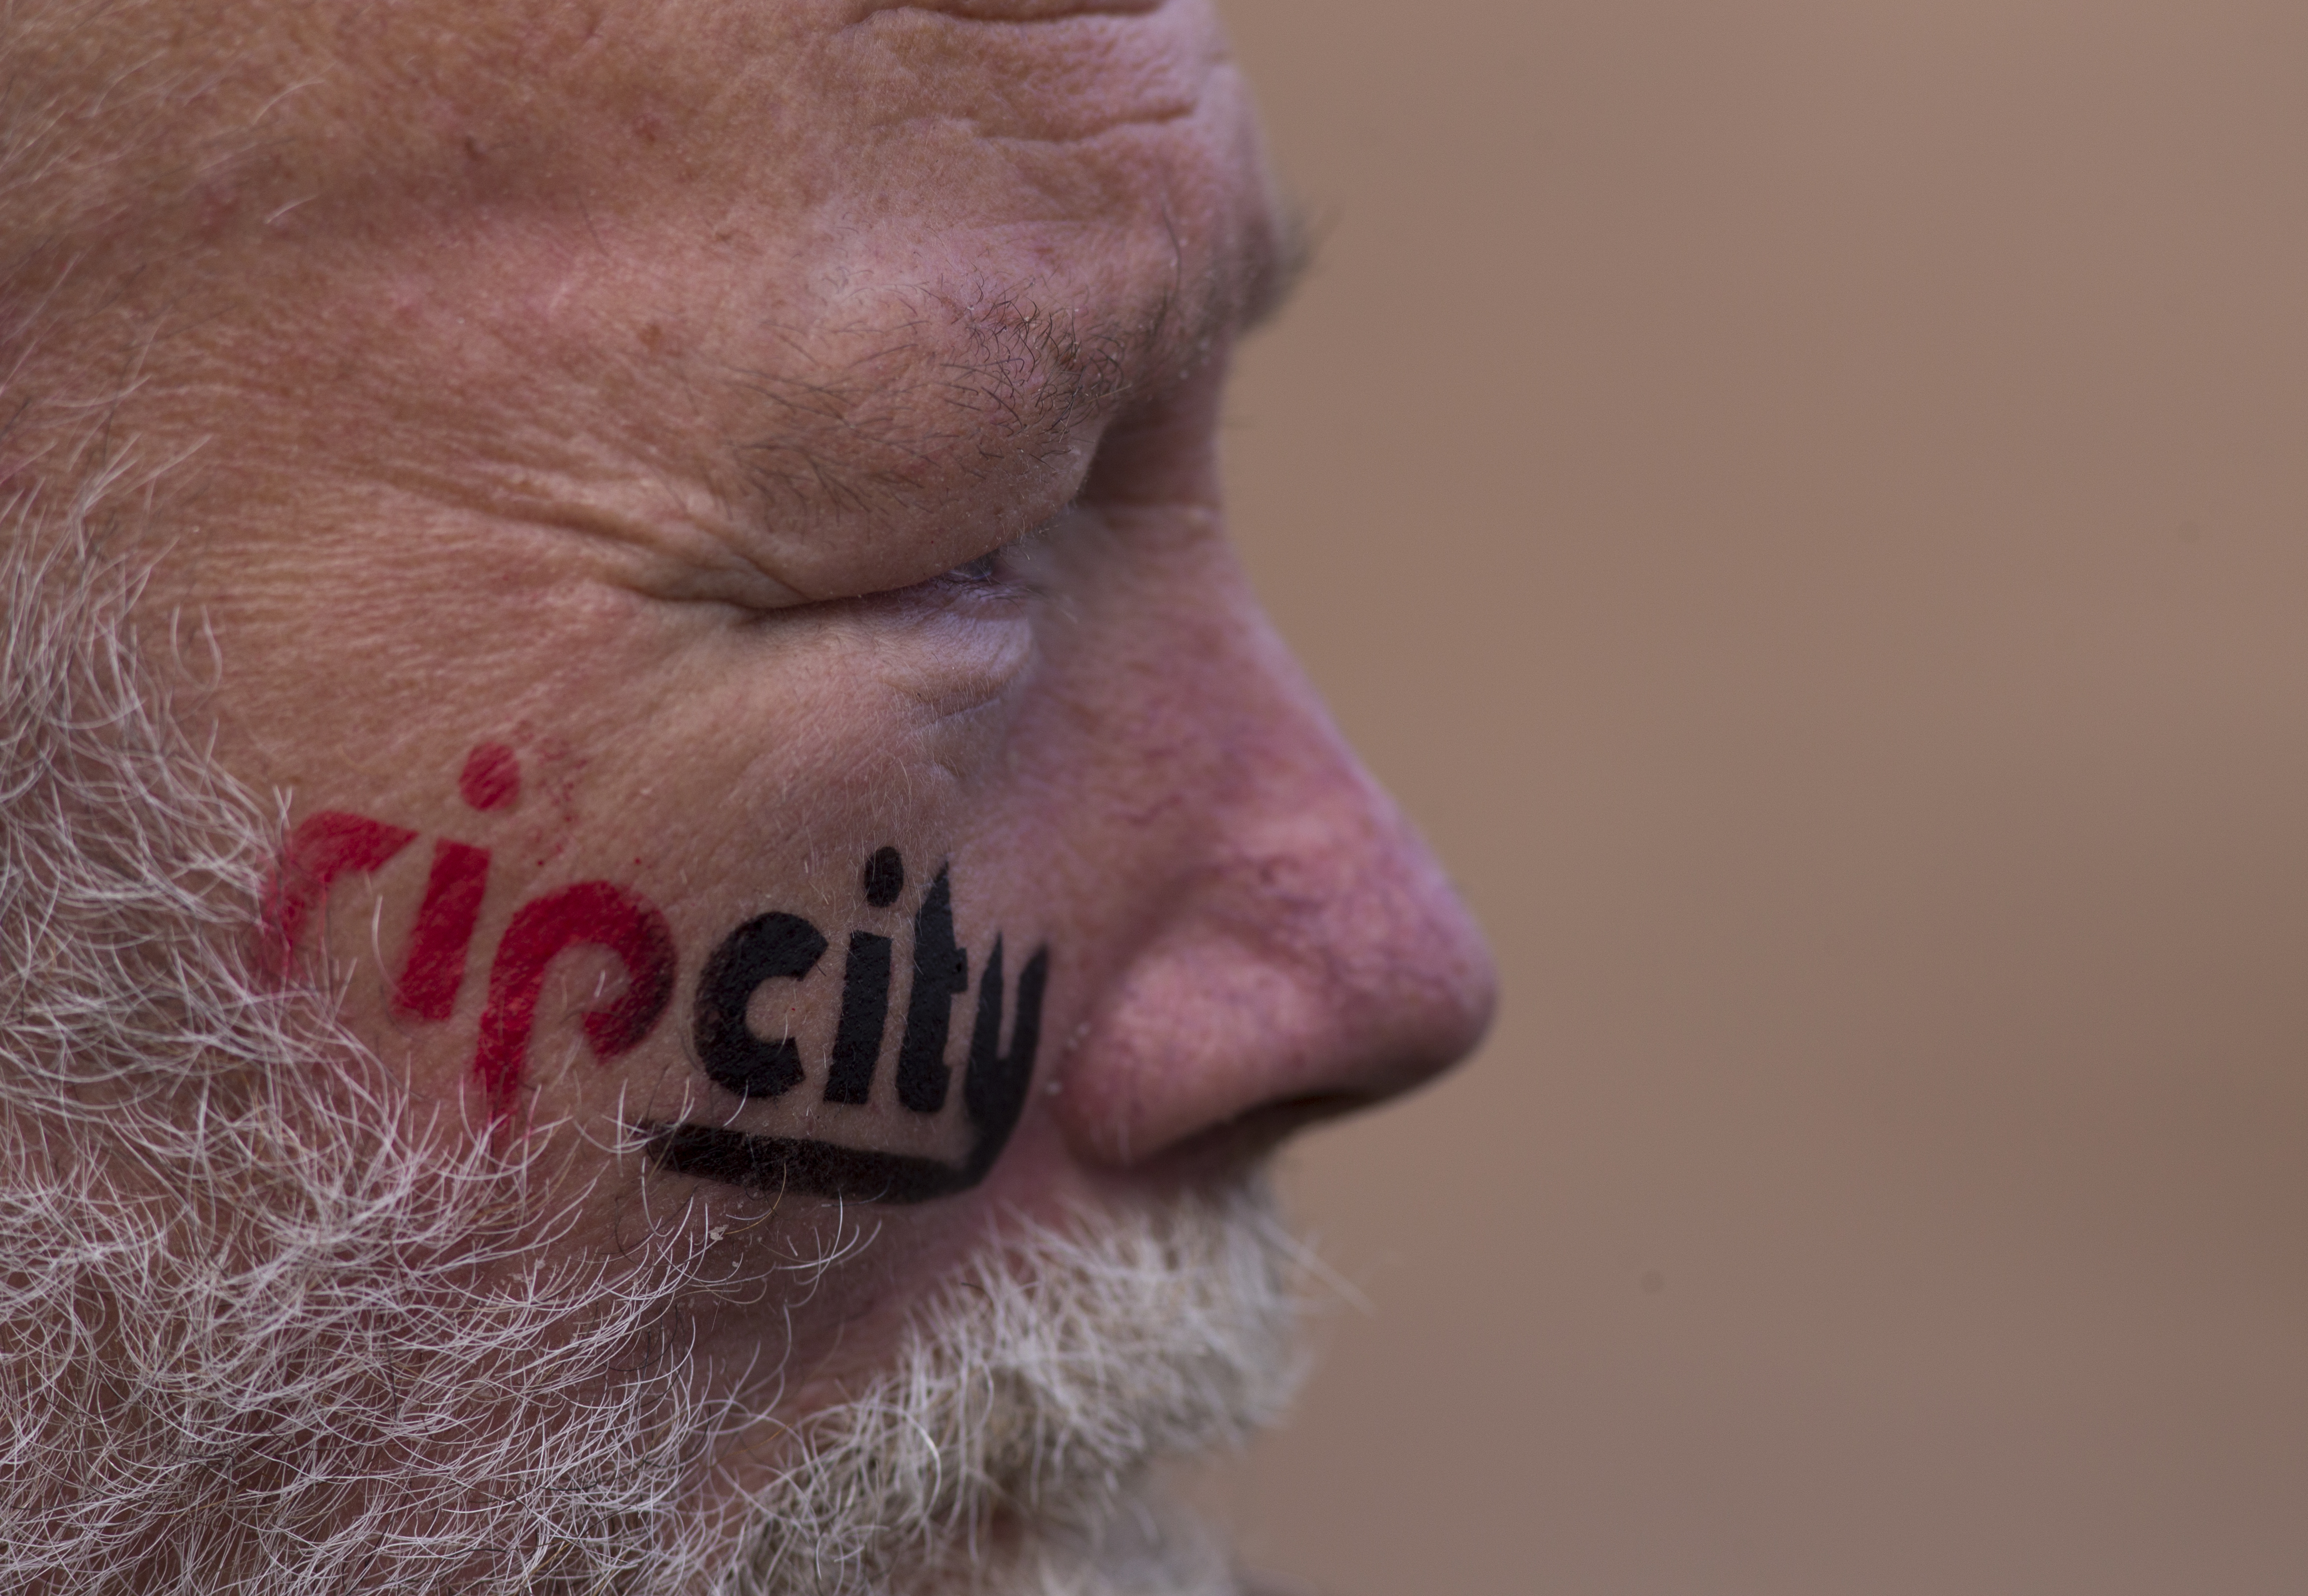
1308	955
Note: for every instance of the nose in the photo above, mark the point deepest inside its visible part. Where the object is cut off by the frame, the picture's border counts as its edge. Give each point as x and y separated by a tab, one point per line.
1301	953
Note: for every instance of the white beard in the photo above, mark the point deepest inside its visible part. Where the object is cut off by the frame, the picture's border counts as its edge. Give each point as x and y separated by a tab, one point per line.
262	1332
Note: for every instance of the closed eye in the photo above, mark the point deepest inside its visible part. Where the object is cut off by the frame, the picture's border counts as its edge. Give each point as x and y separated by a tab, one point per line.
1007	572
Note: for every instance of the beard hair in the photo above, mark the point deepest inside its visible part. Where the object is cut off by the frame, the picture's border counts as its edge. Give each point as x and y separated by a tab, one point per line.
264	1329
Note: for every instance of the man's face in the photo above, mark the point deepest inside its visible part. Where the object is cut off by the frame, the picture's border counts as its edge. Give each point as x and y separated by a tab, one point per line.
708	516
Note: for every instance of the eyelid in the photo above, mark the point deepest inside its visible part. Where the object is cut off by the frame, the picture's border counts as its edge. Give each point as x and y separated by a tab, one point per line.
999	569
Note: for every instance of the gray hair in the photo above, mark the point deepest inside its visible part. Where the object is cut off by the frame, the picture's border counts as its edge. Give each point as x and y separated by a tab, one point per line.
270	1334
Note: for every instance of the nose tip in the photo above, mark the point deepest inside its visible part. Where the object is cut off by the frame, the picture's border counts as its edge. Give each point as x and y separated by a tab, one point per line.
1316	961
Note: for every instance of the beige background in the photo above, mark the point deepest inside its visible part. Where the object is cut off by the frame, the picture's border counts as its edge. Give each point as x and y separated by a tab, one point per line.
1808	504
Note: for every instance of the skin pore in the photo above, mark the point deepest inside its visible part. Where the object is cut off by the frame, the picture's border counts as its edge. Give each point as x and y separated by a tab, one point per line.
635	466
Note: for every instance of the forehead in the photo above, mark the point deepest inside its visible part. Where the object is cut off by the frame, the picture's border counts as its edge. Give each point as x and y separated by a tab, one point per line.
1100	156
836	245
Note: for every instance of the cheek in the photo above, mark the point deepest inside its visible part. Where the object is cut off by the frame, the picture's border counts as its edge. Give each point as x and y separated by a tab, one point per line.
873	1038
602	914
875	1124
781	754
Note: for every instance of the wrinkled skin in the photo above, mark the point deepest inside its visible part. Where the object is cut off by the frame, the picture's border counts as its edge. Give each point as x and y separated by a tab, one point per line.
618	383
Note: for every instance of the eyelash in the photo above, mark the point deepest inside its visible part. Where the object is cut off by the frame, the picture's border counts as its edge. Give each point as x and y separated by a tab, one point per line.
978	572
1012	571
992	578
997	567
